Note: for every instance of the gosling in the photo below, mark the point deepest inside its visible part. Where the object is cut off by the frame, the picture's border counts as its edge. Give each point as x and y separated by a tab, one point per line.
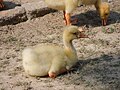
50	59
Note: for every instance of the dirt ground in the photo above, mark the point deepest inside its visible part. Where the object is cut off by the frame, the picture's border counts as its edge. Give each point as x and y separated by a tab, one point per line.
99	57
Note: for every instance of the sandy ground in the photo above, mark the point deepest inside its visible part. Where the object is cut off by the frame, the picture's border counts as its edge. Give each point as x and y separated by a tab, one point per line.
99	57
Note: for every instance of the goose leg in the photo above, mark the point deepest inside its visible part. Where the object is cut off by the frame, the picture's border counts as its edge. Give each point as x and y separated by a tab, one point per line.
52	75
104	22
64	18
1	4
56	67
67	19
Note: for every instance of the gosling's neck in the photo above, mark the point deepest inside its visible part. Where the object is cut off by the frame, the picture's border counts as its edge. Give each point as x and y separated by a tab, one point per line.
70	53
98	4
69	49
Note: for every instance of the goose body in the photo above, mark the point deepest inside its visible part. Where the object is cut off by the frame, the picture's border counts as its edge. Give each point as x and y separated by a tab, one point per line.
49	59
88	2
103	8
66	5
37	60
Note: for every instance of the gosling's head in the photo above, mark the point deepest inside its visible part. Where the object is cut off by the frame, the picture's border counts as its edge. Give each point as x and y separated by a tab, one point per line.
104	11
73	32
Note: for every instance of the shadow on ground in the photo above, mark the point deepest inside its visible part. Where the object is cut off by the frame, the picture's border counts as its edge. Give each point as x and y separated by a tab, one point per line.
102	71
10	5
91	18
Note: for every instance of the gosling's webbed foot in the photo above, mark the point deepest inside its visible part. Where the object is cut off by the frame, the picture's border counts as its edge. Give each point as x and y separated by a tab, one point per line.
52	75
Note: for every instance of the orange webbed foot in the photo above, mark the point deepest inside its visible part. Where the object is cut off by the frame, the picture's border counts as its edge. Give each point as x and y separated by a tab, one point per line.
52	75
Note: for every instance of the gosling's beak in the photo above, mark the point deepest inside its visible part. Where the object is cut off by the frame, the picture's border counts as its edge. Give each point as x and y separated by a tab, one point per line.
104	22
82	34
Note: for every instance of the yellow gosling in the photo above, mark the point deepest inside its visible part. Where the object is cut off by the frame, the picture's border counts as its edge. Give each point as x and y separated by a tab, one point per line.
66	5
50	59
103	8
